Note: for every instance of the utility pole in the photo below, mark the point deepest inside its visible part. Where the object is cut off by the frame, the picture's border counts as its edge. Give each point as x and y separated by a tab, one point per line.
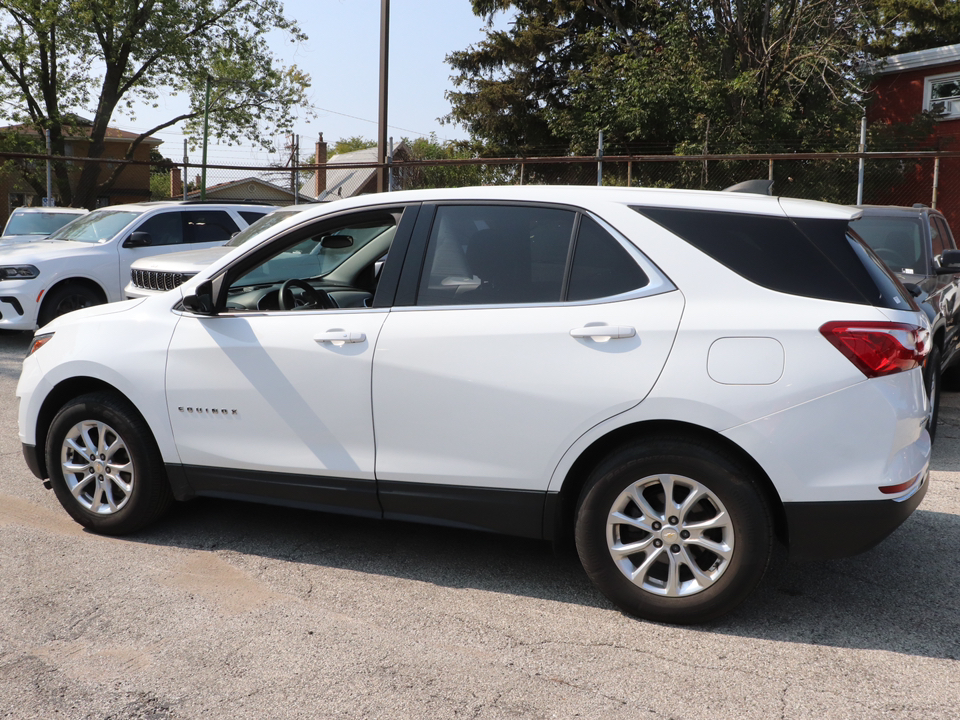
382	117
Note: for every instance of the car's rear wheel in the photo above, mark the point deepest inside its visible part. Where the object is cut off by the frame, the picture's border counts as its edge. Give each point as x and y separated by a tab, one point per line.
67	298
104	465
674	531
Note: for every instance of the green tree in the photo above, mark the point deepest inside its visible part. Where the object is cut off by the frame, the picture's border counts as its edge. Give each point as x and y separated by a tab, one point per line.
663	76
901	26
143	49
345	145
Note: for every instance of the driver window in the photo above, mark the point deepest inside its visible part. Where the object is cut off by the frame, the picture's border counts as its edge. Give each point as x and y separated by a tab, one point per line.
327	265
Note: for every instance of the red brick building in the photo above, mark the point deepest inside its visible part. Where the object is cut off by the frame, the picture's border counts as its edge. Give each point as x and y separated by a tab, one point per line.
925	81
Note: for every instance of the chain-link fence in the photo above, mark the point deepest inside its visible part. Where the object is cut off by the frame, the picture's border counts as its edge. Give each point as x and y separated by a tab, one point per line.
931	178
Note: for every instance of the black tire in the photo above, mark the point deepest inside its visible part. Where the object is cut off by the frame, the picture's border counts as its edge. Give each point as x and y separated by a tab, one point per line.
120	485
729	495
67	298
932	381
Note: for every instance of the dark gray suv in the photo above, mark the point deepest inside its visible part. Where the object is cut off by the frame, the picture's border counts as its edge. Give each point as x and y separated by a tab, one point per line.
916	243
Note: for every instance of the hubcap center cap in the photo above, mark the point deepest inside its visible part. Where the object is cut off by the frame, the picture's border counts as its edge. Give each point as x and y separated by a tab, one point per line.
670	535
98	466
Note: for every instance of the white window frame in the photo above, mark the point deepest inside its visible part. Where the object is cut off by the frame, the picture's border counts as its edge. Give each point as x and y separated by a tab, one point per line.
928	83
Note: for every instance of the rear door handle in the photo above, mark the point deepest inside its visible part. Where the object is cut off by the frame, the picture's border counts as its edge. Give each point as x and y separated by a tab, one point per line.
604	331
339	337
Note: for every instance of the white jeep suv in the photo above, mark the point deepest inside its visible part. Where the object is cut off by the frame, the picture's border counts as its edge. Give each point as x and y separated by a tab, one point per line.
87	262
673	379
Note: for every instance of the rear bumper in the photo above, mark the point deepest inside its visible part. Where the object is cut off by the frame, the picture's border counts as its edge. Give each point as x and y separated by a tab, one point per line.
830	530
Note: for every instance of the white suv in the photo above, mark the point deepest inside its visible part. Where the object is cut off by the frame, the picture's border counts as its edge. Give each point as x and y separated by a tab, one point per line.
674	379
87	262
159	273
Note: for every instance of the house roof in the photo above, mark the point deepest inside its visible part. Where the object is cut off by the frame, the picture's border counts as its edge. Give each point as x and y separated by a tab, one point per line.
82	129
347	182
932	57
252	188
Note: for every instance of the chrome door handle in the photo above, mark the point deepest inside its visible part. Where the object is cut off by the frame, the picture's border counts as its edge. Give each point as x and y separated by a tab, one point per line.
604	331
340	337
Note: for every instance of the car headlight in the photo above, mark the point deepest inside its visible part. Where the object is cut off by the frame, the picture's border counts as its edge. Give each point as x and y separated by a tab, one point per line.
38	342
18	272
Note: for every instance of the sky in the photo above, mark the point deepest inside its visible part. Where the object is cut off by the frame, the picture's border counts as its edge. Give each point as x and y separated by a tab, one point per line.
342	59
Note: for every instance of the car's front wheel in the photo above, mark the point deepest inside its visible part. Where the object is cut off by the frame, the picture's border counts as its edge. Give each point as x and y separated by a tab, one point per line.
104	465
673	531
67	298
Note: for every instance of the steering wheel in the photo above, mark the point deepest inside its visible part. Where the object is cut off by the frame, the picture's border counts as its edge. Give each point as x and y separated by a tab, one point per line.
890	257
309	298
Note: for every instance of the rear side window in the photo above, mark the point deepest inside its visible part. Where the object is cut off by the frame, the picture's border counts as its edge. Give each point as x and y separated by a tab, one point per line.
807	257
208	226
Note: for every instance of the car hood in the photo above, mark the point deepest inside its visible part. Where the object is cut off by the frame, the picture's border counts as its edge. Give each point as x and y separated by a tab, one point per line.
89	312
189	261
11	239
39	250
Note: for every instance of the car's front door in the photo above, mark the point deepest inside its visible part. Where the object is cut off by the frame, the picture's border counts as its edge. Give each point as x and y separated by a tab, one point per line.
528	326
271	400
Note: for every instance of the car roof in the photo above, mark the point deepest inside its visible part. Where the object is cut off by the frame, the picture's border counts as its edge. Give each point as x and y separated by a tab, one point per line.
897	210
584	195
67	210
153	205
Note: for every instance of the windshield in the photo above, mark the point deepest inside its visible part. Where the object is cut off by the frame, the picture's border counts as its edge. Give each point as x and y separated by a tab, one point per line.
263	223
318	255
37	223
898	241
97	227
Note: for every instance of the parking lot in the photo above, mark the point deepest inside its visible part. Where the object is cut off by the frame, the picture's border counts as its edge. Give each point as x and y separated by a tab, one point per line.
231	610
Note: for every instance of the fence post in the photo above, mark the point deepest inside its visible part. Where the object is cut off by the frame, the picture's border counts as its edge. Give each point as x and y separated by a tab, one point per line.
600	159
629	173
390	166
48	200
295	166
770	170
186	168
936	181
863	149
522	166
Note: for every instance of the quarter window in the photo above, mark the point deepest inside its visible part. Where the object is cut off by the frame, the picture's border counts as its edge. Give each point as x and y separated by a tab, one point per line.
601	265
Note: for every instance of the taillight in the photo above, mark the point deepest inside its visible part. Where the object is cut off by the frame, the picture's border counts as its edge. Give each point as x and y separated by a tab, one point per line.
879	348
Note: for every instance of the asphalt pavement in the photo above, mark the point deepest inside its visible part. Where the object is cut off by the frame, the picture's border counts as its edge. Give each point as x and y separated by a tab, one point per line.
234	610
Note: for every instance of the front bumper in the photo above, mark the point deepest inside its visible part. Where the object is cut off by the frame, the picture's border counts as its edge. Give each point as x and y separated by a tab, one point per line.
831	530
34	460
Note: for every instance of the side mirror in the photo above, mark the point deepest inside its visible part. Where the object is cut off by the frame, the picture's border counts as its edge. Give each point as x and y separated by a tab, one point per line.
137	239
914	289
201	301
336	242
949	262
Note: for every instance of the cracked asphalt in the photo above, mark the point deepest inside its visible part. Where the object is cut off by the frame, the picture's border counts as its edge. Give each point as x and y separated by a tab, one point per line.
232	610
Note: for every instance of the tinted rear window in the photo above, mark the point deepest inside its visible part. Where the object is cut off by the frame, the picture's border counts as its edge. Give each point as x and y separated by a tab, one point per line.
806	257
898	241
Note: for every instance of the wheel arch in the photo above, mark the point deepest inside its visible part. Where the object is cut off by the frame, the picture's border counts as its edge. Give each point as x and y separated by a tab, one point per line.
85	282
564	504
59	396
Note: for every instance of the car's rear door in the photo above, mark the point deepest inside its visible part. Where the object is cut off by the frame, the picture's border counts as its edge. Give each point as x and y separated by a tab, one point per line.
527	325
